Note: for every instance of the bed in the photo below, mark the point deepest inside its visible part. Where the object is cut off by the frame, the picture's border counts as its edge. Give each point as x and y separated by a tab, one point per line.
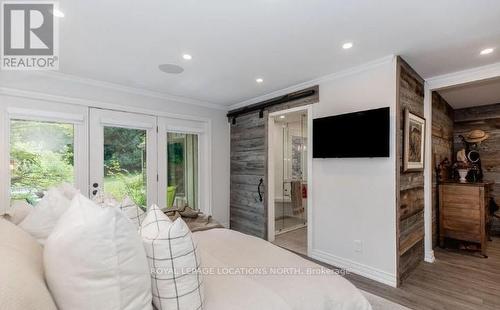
225	251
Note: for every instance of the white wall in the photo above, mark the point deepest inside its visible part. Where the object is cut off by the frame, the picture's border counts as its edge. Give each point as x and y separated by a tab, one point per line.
355	199
63	89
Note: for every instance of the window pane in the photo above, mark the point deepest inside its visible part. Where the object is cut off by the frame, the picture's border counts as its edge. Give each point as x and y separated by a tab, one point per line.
182	170
41	156
125	164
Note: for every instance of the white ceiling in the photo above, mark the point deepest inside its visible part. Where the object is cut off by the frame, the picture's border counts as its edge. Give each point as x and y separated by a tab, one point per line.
285	42
475	94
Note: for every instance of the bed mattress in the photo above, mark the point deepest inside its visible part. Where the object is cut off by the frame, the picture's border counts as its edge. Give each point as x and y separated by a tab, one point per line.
244	272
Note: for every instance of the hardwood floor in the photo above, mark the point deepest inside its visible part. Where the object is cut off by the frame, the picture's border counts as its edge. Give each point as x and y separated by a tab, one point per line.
295	240
457	280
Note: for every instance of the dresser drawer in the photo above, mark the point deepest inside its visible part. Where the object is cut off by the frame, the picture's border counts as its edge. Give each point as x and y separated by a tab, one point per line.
466	226
460	191
462	212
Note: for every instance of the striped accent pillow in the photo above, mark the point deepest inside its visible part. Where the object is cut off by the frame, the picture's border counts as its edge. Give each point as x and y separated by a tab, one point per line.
174	262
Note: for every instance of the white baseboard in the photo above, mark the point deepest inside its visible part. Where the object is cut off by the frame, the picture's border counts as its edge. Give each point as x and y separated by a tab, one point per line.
429	256
357	268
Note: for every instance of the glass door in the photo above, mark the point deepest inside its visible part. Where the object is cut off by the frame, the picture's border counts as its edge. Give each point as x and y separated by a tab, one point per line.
290	174
123	156
182	170
183	164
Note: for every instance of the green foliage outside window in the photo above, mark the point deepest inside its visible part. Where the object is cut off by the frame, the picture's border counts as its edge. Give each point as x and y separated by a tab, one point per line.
125	164
41	156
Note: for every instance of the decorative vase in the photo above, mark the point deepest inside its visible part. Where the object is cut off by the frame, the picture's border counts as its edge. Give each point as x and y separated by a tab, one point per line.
463	174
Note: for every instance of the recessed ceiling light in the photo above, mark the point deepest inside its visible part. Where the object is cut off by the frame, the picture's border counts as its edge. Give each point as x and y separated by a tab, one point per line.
282	116
487	51
187	56
347	45
58	13
259	80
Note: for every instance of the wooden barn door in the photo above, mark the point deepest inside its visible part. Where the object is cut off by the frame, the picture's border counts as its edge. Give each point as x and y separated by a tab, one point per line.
248	213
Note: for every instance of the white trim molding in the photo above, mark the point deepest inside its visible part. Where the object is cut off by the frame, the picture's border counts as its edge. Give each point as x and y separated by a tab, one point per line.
12	108
4	162
205	182
355	267
464	77
130	90
337	75
39	96
429	257
32	114
428	174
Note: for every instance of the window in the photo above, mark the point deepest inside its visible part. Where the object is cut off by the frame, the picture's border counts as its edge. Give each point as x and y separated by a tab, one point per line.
41	156
182	170
125	164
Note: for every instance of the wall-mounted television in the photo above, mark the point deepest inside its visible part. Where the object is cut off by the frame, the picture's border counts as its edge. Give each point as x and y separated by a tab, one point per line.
358	134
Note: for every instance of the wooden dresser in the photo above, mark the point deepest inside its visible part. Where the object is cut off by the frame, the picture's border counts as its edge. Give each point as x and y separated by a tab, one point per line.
463	212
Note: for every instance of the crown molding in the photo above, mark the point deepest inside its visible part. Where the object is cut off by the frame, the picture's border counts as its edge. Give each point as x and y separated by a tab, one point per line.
336	75
131	90
463	77
28	94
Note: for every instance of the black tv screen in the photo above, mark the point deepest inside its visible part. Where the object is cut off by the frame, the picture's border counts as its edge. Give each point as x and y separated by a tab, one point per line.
359	134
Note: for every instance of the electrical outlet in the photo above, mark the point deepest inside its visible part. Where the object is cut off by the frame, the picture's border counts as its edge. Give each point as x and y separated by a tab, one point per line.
358	246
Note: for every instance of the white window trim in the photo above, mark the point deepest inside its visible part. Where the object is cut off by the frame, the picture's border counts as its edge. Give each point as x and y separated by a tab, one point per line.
100	118
203	130
33	113
5	163
28	104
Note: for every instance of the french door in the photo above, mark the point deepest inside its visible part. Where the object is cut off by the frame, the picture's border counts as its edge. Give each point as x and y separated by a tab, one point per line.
123	156
148	158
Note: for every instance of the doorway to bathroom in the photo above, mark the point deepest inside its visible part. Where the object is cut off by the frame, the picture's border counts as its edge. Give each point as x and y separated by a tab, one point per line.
289	163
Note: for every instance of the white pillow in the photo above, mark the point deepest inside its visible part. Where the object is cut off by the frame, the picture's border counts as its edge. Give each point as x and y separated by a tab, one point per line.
94	259
174	262
132	211
68	190
105	200
43	218
18	211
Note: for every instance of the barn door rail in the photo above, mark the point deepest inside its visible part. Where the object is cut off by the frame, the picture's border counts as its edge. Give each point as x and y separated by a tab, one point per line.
261	106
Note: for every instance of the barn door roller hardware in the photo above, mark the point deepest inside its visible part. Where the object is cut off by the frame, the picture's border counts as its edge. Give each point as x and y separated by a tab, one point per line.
261	106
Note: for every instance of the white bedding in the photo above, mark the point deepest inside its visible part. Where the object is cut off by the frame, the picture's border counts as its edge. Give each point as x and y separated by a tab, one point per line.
226	250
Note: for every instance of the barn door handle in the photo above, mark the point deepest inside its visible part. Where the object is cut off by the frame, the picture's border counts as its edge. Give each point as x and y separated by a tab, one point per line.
258	189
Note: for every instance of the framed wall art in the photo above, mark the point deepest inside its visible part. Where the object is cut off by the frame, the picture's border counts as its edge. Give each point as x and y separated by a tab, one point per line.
414	142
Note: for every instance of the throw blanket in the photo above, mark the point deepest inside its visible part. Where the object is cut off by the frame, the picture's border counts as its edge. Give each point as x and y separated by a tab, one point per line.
196	221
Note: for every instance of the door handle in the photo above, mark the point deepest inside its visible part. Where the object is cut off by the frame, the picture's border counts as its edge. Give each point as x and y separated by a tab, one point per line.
258	189
95	186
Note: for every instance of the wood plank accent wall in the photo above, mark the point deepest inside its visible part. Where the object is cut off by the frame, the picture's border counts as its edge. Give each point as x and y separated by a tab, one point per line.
410	191
486	118
249	141
248	157
442	147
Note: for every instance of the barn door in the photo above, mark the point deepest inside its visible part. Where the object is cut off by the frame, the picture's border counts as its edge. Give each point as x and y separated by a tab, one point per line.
248	163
